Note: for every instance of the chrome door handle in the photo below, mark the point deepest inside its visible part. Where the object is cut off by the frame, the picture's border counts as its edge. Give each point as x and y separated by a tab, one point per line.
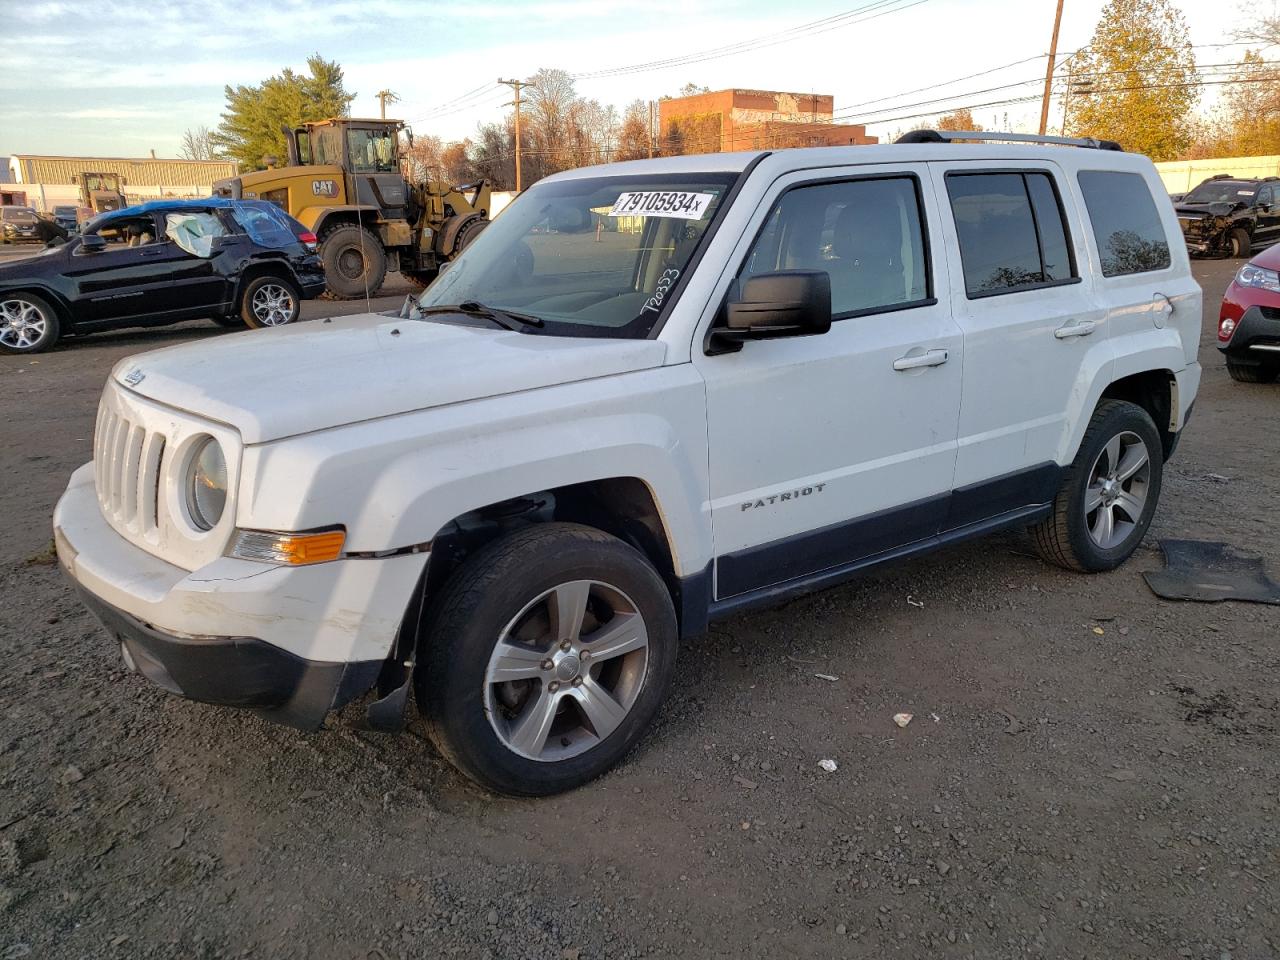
1081	329
932	358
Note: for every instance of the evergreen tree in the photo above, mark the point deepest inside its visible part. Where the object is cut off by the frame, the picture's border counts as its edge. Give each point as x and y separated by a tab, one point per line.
251	124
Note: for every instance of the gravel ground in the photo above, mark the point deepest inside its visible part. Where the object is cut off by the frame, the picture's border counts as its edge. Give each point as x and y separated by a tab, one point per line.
1090	772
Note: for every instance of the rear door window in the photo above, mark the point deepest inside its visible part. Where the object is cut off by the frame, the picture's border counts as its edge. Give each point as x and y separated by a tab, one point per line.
1126	224
1012	232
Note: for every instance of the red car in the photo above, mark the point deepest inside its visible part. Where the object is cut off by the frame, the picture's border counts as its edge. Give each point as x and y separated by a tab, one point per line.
1249	321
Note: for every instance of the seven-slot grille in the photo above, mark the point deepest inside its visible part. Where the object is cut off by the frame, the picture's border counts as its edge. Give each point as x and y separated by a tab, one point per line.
126	459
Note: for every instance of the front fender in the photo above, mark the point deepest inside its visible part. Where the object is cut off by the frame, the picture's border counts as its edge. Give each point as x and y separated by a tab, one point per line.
396	482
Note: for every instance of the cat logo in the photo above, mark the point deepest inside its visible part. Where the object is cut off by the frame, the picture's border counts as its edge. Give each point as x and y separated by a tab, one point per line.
324	188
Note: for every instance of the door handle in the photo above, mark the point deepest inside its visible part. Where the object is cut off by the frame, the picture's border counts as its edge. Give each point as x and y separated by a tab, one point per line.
932	358
1162	304
1081	329
153	253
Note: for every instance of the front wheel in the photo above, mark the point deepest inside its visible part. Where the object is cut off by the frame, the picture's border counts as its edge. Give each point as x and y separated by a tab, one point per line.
549	654
1109	494
269	302
28	324
354	262
1239	244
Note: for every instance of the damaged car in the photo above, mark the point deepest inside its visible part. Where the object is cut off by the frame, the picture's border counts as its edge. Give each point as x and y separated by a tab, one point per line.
239	262
1230	216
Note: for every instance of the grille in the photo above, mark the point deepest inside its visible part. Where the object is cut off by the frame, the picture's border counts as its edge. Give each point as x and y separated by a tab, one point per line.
127	460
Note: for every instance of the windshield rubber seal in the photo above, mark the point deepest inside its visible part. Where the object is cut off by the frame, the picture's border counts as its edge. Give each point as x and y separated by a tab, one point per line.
678	290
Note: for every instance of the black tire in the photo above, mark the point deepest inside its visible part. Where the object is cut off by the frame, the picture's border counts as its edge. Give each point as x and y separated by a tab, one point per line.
1240	245
354	262
421	279
231	321
1063	538
1252	372
474	610
470	230
19	314
270	301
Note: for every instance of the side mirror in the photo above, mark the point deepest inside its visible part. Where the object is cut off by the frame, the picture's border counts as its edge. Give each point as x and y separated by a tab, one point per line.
791	303
92	243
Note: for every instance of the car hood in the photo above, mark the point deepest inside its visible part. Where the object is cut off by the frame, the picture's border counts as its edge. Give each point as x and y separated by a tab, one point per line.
271	384
1220	208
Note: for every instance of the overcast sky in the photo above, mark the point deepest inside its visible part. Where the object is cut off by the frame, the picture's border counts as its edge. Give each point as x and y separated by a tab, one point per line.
131	75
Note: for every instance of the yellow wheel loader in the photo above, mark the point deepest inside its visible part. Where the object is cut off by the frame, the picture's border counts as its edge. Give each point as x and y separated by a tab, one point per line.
344	182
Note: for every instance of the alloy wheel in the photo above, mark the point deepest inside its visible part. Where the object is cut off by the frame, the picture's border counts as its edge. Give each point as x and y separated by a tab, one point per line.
1117	492
566	670
272	305
22	324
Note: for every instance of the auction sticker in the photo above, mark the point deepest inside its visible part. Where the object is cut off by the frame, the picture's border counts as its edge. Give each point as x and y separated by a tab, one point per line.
662	203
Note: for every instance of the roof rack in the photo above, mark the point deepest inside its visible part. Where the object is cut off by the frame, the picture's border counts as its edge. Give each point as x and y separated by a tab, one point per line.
950	136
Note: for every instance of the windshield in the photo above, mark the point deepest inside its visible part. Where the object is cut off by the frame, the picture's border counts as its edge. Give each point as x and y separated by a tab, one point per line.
371	151
590	257
1216	191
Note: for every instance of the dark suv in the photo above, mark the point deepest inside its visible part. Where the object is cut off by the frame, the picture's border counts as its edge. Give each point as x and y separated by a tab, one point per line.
235	261
1228	216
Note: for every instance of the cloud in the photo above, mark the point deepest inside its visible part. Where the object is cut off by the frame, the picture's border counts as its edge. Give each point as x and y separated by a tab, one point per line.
104	113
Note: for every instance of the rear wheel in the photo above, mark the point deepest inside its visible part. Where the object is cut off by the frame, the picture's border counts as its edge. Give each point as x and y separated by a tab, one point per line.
354	262
1109	494
1252	373
28	324
550	652
269	302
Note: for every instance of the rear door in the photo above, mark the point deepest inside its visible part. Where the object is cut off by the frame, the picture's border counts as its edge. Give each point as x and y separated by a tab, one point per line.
1266	217
825	450
1033	332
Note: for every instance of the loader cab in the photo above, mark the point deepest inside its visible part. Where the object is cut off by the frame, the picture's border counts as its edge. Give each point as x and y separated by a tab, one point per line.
368	153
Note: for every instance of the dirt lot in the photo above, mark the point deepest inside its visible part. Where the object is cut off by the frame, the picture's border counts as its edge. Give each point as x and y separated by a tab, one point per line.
1091	770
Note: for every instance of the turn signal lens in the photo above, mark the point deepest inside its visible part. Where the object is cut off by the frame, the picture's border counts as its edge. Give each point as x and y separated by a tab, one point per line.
1226	328
308	240
291	549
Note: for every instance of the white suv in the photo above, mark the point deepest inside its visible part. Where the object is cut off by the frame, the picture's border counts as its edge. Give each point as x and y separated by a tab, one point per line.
649	395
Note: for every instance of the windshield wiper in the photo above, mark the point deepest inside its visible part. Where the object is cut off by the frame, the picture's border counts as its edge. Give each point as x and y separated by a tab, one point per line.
503	318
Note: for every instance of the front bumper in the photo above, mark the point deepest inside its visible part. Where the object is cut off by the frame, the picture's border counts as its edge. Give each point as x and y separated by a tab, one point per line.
1256	339
236	671
295	642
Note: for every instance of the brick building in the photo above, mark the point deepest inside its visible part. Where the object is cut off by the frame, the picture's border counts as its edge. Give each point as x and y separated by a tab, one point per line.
752	120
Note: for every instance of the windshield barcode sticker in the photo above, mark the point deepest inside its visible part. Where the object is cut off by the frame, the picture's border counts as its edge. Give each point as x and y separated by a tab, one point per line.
662	203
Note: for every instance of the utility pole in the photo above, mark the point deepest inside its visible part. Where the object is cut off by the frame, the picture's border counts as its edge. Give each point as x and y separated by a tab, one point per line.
1048	77
385	97
517	86
650	129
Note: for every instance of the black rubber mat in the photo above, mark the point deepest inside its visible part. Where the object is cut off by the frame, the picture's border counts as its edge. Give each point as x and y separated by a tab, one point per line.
1208	571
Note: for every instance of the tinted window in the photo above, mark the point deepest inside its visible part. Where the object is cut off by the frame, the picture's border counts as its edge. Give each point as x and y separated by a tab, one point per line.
866	234
1265	196
1012	235
1130	237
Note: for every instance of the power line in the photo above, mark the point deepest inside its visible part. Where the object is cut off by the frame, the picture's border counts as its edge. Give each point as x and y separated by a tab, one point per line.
868	11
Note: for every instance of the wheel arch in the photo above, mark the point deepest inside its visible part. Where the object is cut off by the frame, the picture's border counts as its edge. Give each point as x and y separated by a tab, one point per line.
55	299
321	219
1155	391
268	267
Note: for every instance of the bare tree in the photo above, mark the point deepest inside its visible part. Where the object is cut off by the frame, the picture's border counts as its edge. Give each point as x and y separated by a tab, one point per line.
633	135
197	144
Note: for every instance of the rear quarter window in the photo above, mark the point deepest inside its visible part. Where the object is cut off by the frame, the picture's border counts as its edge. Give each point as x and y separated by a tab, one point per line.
1126	224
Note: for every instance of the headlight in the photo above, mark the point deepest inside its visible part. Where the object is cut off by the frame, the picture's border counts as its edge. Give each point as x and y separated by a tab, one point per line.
1251	276
207	484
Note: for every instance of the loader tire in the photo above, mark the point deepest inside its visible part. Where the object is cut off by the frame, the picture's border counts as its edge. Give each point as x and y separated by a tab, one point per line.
354	262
